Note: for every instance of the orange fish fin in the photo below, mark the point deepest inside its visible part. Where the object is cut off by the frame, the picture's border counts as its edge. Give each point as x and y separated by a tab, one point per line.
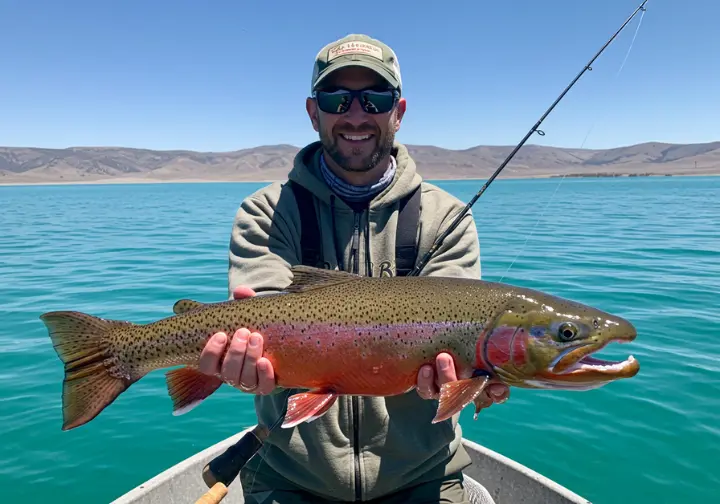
454	396
93	377
306	278
188	387
186	305
307	406
481	402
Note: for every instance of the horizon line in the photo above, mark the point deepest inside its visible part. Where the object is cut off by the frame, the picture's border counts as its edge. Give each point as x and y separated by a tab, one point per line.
275	145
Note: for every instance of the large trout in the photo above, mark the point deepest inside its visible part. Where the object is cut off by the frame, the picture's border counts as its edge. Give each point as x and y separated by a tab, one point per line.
334	333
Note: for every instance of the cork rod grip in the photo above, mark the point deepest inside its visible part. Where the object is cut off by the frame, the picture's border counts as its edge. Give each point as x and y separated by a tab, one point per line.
224	468
216	493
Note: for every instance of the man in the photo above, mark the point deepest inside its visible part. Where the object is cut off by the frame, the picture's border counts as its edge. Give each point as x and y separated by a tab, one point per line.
363	448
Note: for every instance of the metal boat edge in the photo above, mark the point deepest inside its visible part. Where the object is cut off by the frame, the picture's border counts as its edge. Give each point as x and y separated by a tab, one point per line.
492	479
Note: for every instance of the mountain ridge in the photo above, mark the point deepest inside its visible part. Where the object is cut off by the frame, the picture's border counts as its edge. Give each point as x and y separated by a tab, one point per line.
29	165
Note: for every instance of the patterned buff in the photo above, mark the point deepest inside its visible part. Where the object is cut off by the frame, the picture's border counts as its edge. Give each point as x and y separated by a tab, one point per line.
354	193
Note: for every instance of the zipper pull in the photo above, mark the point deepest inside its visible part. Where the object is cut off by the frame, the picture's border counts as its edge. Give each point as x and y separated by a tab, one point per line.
355	243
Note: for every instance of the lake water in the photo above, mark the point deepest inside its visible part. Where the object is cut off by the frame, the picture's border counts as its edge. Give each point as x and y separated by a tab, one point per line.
647	249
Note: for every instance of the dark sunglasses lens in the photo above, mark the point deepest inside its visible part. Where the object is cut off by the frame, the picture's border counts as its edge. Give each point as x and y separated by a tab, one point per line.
377	102
338	102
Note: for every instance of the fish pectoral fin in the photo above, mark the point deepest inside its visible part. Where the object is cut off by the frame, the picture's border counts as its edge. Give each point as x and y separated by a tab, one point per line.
307	406
307	278
189	387
454	396
186	305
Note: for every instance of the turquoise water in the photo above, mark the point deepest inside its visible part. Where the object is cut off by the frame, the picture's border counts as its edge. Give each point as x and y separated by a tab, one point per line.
644	248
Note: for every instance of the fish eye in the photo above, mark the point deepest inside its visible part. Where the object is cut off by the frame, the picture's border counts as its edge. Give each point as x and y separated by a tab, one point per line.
596	323
567	331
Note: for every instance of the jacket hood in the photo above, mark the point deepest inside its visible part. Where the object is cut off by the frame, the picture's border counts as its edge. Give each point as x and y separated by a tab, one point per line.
306	172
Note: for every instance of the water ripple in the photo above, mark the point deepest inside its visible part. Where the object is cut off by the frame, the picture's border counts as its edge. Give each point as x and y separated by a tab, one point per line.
647	249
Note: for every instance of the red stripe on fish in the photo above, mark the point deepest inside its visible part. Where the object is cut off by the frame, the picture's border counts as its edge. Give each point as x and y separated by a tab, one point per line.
371	359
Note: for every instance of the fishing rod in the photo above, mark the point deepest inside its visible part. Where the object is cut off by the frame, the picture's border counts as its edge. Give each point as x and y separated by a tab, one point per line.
439	241
220	472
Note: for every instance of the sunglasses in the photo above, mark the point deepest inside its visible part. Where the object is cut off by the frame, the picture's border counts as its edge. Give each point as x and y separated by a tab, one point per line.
373	101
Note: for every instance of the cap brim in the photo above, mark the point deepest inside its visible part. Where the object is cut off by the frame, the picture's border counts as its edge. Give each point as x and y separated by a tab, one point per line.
377	68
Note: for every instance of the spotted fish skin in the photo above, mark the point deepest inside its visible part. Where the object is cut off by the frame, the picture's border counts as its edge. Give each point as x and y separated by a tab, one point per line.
331	332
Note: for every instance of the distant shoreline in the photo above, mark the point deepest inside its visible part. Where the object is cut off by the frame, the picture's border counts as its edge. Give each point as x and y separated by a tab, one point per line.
138	181
264	164
112	181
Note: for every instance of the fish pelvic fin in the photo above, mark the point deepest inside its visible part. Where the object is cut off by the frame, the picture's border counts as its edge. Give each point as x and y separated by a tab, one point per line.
93	376
454	396
188	387
308	406
306	278
185	305
481	402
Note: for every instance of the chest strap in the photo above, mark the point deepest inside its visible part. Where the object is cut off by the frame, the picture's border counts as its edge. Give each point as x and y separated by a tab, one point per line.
405	240
310	242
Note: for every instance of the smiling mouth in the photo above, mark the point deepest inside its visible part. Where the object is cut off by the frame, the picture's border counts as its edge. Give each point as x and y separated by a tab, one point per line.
356	138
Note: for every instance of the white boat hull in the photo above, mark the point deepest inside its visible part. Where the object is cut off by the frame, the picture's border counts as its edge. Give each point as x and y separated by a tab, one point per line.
492	478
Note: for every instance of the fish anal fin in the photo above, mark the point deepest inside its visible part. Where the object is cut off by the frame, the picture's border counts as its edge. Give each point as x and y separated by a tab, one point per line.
188	387
308	406
307	278
454	396
186	305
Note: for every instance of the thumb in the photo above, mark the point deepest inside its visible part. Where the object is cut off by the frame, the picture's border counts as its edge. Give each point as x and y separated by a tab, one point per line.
242	291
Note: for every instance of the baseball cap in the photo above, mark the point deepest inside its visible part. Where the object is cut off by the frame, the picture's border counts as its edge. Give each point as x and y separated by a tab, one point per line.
357	50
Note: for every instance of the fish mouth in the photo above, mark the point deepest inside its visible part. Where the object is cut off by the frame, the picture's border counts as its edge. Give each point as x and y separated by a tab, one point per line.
578	364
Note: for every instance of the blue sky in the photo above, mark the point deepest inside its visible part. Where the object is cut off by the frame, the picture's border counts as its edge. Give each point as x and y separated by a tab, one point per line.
225	75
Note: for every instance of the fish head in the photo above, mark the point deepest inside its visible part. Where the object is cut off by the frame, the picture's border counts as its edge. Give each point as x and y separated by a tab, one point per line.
542	341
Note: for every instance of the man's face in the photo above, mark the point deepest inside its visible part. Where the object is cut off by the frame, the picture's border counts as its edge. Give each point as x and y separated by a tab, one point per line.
377	131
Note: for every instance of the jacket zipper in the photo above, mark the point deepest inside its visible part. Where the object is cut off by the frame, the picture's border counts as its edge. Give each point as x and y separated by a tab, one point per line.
355	261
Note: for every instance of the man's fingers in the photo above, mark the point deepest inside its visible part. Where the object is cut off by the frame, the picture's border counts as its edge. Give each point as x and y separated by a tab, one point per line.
209	363
266	376
445	369
498	392
494	393
430	380
426	383
242	291
248	376
232	365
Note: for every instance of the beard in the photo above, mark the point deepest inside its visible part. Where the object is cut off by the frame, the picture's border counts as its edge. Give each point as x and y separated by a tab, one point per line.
353	162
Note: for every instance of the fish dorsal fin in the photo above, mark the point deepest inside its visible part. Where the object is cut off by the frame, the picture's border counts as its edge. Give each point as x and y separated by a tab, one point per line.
186	305
307	278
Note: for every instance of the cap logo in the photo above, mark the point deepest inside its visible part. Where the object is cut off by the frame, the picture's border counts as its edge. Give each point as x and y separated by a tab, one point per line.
355	48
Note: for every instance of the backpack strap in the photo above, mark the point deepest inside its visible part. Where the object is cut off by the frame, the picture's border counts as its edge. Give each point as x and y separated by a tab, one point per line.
405	241
310	242
407	228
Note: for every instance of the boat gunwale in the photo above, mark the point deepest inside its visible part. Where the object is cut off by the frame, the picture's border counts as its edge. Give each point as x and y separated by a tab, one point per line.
479	454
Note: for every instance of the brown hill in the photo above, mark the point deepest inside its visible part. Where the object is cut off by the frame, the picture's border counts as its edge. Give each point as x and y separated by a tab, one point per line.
119	164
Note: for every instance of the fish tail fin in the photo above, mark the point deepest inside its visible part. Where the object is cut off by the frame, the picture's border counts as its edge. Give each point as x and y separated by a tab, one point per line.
93	379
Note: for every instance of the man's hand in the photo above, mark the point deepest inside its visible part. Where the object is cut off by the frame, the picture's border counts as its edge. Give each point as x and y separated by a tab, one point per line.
243	366
429	383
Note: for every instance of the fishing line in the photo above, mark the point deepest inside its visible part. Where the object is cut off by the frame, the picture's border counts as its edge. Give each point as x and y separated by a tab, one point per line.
274	426
535	129
438	242
582	145
622	65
